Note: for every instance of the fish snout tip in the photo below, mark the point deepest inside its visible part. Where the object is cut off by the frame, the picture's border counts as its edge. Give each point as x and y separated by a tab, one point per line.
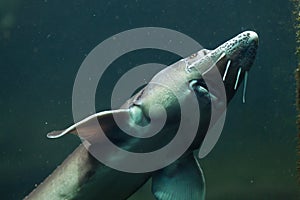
253	36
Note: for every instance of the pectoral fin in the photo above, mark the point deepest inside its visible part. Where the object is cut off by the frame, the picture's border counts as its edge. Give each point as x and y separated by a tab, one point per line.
89	126
181	180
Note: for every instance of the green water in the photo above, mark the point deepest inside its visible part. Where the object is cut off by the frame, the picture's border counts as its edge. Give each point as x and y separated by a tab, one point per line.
43	43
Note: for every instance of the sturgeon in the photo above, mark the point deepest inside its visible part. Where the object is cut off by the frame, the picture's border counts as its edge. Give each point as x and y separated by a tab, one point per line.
81	176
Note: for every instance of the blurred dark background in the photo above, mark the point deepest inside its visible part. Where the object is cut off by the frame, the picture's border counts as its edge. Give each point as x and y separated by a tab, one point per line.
43	43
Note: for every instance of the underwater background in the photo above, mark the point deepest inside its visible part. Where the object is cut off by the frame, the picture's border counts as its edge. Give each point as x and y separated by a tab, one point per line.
43	43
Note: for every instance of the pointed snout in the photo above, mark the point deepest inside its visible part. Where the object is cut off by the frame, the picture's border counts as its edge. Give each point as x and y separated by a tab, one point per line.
253	37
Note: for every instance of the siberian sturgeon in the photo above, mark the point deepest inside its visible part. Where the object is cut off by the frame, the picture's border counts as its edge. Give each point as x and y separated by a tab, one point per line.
81	176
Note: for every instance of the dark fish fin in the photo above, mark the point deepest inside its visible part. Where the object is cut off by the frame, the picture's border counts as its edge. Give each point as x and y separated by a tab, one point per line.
181	180
89	126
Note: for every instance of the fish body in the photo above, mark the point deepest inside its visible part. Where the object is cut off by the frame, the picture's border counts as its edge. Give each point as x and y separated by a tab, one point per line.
81	176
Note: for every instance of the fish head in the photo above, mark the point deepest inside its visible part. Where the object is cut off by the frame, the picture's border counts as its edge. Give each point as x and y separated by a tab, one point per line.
233	60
